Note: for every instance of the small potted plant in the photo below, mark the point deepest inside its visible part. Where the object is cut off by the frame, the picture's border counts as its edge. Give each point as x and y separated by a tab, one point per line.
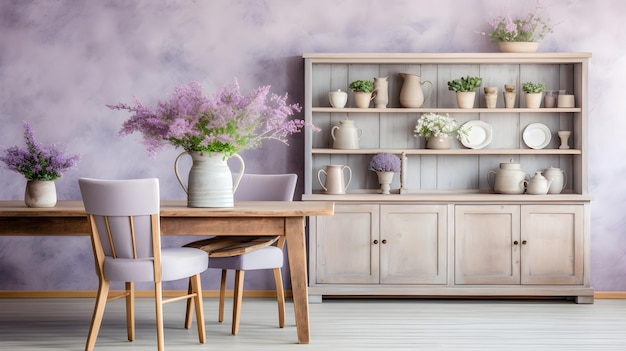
532	93
363	92
465	90
385	165
41	165
437	130
516	34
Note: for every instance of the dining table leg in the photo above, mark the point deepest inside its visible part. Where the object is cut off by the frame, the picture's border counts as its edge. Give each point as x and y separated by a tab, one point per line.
296	246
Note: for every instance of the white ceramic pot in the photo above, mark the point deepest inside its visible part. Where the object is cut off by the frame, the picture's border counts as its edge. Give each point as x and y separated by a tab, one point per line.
40	193
465	99
362	99
346	135
533	100
385	179
334	182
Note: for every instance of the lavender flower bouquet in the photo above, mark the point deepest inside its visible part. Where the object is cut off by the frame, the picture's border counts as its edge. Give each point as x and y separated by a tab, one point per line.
384	162
36	161
226	122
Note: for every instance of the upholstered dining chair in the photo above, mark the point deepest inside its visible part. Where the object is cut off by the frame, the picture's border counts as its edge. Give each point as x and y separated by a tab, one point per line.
253	187
125	236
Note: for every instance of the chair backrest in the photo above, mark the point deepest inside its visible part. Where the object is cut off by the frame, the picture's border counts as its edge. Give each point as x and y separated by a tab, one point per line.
266	187
124	216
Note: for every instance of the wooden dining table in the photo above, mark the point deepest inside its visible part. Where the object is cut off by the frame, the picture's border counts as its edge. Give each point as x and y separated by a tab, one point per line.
254	218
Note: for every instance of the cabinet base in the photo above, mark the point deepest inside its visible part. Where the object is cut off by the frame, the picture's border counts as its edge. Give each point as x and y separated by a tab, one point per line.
579	295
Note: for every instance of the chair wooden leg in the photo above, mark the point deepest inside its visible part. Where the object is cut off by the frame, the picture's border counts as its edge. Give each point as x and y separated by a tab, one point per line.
280	296
189	310
98	313
197	299
237	299
220	317
130	310
158	300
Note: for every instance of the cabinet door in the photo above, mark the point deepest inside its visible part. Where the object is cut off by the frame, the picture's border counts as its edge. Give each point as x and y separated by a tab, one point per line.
487	244
413	244
345	253
552	244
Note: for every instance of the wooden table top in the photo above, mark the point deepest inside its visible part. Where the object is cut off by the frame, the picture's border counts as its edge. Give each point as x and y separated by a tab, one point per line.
174	208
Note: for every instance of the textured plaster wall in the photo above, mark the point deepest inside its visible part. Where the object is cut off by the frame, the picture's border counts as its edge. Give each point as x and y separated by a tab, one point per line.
62	61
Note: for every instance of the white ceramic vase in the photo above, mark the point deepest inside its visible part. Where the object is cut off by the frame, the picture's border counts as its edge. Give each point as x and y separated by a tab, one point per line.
40	193
385	179
210	182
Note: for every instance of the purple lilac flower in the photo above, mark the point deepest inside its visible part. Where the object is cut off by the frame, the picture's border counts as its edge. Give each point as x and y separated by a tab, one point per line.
36	161
384	162
227	121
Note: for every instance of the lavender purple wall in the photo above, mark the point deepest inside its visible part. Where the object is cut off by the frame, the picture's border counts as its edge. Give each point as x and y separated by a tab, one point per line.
62	61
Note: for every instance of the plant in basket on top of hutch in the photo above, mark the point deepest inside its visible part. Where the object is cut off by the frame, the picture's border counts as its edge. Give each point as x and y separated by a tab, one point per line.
532	93
211	129
40	165
464	88
385	165
515	34
363	92
437	129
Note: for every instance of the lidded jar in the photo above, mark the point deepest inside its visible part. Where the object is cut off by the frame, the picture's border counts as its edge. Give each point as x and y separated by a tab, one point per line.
338	98
508	179
558	178
346	135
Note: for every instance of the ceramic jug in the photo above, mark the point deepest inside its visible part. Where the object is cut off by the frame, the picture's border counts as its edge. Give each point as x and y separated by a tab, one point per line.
411	93
538	185
381	88
210	182
558	178
338	98
334	182
346	135
508	179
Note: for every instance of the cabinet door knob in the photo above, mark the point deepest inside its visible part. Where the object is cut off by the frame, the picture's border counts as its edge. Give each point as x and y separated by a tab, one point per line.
384	241
523	242
375	242
515	242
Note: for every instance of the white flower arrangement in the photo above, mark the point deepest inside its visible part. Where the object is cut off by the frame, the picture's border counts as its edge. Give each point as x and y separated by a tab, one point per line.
433	125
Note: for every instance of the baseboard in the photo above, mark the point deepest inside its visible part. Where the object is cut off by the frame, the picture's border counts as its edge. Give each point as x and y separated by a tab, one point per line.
138	293
205	293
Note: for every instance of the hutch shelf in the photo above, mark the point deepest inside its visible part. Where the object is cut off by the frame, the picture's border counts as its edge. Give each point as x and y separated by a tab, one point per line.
442	231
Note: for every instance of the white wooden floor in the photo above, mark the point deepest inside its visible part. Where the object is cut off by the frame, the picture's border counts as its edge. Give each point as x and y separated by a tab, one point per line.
336	324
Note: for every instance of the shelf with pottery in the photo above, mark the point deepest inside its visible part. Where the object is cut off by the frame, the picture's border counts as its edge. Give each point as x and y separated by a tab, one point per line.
329	151
390	110
448	226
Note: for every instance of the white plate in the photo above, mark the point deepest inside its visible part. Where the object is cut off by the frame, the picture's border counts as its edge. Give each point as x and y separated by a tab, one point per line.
479	135
537	135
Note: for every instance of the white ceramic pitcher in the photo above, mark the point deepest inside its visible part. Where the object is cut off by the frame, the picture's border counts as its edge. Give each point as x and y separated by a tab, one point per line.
334	182
210	183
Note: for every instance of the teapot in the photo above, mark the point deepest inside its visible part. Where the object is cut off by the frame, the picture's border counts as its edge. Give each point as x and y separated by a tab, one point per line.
558	178
346	135
538	185
334	182
509	179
